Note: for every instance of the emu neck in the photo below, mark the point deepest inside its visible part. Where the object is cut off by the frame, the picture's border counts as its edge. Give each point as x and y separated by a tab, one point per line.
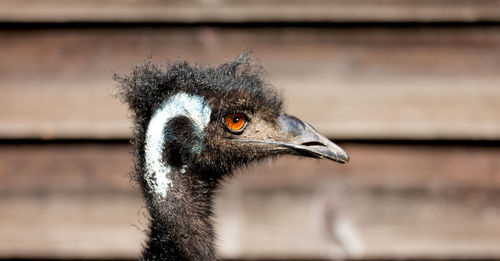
181	227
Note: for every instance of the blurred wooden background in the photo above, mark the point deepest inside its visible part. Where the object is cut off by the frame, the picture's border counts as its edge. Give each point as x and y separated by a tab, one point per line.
410	88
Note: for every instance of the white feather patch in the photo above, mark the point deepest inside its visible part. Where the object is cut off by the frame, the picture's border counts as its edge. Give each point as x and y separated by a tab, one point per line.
182	104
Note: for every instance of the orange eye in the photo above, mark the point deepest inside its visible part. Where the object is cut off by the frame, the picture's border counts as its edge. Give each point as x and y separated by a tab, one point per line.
235	121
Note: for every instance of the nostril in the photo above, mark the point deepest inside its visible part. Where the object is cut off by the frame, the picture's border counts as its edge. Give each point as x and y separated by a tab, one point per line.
312	143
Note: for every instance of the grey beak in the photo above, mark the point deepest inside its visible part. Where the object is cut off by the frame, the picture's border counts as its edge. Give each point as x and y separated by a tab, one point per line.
307	141
302	139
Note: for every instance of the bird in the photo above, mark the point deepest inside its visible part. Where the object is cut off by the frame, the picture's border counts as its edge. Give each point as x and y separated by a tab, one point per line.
193	126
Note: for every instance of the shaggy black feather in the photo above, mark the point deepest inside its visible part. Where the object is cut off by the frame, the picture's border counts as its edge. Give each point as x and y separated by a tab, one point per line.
180	226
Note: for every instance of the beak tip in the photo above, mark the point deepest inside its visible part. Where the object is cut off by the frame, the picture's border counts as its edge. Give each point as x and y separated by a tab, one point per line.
343	158
346	158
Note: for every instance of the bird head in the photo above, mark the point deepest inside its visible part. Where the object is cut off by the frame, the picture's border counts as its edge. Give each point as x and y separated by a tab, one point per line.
207	121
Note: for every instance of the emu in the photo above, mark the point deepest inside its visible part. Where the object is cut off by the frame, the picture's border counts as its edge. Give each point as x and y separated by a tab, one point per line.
193	126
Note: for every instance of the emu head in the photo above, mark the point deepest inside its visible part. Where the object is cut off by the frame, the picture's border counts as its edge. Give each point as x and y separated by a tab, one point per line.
202	122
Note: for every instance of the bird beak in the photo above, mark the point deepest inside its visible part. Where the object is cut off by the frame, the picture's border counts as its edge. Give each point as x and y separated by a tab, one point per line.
307	141
302	139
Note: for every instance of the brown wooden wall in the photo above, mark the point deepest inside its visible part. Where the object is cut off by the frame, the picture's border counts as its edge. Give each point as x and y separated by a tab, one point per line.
410	88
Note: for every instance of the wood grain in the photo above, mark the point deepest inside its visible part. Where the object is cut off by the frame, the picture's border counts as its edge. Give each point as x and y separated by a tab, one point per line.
390	201
237	11
350	83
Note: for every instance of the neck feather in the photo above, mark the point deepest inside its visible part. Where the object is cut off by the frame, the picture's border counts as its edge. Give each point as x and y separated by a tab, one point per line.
181	225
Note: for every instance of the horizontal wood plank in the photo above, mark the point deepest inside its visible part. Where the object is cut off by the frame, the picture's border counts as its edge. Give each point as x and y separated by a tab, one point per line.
390	201
244	11
350	83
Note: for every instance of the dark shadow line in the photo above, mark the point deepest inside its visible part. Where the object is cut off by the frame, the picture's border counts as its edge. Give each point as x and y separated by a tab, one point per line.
305	24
